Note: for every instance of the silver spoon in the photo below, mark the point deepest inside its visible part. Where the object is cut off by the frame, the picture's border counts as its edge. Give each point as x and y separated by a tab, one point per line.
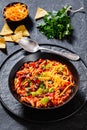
32	46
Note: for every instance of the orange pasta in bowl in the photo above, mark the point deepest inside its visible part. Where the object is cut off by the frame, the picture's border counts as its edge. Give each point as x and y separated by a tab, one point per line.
44	83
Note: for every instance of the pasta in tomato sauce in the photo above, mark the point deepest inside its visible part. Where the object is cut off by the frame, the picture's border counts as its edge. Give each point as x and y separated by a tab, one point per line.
44	83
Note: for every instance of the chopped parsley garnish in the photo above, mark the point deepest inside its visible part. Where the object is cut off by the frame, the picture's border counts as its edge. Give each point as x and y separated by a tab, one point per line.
44	100
56	24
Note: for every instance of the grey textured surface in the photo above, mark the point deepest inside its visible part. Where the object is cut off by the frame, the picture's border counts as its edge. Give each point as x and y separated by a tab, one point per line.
78	45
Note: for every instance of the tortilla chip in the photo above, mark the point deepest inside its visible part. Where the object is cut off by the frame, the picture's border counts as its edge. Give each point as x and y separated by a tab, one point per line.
8	38
6	30
23	29
17	36
2	43
40	13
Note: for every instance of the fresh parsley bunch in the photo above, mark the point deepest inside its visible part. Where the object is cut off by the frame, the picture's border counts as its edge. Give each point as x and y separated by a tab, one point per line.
56	24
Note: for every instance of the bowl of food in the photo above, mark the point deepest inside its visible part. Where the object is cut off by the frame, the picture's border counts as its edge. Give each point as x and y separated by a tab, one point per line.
43	81
15	12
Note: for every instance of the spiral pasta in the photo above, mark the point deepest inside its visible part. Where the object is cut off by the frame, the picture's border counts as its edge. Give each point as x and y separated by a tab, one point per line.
44	83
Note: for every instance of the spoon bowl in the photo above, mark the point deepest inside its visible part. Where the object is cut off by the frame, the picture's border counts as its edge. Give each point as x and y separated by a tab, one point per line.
28	44
32	46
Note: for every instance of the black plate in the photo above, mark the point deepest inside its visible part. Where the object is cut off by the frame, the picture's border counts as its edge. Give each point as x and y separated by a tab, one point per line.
35	57
31	115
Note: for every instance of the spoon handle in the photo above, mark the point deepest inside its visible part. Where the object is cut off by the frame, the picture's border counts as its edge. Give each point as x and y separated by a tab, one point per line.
70	56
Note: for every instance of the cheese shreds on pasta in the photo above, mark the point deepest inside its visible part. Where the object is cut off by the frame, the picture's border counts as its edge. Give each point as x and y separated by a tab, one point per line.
44	83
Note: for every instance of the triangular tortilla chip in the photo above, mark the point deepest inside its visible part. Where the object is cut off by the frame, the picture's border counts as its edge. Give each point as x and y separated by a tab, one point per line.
17	36
40	13
6	30
2	43
23	29
8	38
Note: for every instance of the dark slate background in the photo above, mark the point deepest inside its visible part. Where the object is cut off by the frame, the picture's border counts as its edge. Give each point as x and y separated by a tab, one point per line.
78	44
